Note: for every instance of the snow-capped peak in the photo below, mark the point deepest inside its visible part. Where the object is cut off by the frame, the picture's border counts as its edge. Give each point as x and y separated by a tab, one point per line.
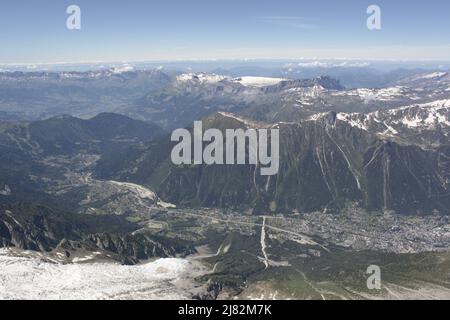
211	78
433	75
390	122
200	77
383	94
122	69
250	81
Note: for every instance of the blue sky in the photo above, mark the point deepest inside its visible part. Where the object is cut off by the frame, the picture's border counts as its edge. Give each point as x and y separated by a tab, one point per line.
133	30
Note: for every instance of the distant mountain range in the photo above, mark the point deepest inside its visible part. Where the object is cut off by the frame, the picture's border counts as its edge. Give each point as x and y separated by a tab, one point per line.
41	95
173	99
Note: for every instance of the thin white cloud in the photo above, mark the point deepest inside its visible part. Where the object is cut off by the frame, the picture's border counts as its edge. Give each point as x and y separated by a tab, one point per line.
391	53
288	21
332	64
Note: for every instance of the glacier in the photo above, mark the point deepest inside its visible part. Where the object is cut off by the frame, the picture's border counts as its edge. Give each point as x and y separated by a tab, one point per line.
31	276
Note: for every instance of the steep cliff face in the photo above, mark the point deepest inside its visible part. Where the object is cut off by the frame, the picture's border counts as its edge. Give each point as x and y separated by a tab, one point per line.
406	178
320	164
324	162
128	248
34	227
